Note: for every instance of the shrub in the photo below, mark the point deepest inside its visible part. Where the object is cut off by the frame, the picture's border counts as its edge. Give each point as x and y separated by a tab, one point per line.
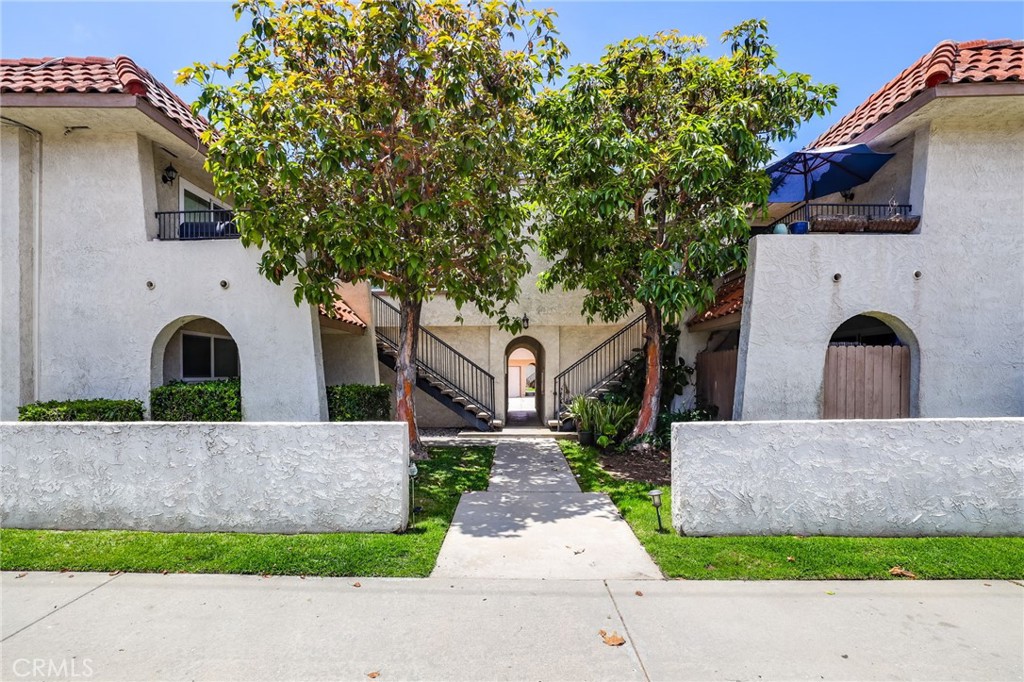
359	403
614	420
90	410
205	401
663	426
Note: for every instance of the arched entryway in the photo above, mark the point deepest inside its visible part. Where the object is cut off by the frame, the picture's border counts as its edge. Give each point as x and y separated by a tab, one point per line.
871	369
524	382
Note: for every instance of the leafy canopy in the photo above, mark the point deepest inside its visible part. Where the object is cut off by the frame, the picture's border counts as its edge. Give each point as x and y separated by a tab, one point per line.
381	141
649	163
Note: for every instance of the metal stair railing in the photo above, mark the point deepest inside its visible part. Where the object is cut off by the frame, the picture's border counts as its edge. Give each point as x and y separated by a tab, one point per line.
600	365
436	361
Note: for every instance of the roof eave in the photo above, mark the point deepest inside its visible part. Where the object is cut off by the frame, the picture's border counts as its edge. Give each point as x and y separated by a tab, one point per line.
101	100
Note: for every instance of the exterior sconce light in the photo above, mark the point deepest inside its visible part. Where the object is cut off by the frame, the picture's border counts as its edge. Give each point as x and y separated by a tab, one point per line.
847	194
656	503
525	321
170	174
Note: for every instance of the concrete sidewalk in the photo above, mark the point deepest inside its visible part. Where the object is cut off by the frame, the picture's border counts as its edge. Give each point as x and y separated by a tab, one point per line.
203	627
534	523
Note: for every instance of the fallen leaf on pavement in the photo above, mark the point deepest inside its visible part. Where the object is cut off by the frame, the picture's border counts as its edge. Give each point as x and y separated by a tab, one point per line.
830	592
902	572
611	640
114	573
639	593
21	575
374	675
357	585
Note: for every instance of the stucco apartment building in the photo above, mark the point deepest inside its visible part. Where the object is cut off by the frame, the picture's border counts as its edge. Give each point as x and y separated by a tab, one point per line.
120	272
949	295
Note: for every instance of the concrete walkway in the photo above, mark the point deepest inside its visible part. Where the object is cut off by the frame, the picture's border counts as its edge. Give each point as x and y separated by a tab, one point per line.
533	522
203	627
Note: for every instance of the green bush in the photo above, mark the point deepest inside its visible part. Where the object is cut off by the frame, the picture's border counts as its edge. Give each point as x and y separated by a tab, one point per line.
665	420
205	401
359	403
614	421
90	410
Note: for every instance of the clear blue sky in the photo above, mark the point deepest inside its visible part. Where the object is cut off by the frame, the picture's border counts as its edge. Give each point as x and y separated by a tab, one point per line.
857	45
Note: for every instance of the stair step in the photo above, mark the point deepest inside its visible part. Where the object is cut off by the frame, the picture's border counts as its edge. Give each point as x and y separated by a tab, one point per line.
483	415
473	408
461	400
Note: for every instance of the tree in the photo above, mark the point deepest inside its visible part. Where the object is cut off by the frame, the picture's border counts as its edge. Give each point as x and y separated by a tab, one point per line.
382	141
647	165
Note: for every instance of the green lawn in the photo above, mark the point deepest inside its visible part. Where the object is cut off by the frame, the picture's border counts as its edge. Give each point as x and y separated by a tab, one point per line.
442	479
768	558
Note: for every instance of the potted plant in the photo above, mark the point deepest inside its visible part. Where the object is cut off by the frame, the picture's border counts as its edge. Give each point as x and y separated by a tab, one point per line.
582	411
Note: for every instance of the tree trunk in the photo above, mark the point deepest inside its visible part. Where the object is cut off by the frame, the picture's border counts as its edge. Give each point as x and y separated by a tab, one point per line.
651	400
405	371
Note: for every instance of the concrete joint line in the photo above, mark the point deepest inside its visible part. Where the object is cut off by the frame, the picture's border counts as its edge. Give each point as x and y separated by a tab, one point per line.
625	630
62	607
1016	582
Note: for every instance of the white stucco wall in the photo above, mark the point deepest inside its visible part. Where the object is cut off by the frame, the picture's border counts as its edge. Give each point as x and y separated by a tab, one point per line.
963	318
158	476
859	478
102	331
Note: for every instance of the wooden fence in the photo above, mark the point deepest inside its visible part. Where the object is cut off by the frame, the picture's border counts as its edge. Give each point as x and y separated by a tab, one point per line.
867	382
716	380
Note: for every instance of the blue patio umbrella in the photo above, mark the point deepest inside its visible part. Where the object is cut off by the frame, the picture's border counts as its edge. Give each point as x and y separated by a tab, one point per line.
812	173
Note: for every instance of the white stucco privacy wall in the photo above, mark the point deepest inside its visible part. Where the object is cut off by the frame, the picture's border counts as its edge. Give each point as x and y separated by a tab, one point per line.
910	477
162	476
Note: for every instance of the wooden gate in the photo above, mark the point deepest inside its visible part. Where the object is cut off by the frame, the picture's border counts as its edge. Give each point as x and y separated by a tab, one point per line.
716	380
867	382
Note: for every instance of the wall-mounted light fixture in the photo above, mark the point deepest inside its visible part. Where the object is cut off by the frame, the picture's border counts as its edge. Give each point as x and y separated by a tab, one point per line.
525	321
847	194
170	173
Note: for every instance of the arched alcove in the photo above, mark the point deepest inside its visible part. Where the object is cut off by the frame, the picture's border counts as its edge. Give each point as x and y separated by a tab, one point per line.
194	348
524	382
871	369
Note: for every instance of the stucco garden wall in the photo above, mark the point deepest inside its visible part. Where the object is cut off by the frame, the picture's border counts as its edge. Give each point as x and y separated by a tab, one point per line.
962	316
914	477
158	476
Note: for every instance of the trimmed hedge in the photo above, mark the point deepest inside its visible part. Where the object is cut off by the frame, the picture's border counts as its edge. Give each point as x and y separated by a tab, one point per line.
359	403
89	410
205	401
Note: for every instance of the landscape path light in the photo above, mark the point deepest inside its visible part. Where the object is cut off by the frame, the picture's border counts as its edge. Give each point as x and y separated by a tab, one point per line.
656	502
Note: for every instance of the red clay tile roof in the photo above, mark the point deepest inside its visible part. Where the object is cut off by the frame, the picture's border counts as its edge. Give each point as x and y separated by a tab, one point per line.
344	313
968	62
728	300
119	75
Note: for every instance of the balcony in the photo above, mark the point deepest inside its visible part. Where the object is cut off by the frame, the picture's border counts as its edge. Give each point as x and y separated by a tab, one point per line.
846	218
196	225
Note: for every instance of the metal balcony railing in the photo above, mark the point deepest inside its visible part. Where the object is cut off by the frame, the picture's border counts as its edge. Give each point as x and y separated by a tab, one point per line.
195	225
810	211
